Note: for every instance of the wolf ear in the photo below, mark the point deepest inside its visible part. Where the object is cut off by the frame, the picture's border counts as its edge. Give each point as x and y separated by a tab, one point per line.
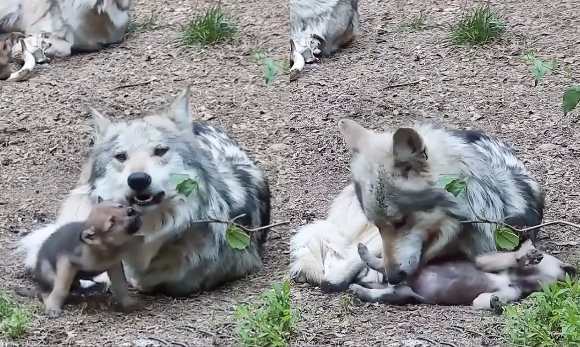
99	199
88	236
100	122
409	149
180	110
353	133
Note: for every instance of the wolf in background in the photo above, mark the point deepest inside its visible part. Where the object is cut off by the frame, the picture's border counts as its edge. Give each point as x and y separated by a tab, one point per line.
320	27
396	207
68	25
132	162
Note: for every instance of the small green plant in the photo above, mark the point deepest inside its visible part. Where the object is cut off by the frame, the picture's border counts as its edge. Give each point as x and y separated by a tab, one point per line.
150	23
271	68
269	322
237	236
505	237
213	26
480	27
549	318
14	318
346	303
571	97
417	23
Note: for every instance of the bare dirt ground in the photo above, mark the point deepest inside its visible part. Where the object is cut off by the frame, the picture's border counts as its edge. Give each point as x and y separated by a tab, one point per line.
489	89
45	132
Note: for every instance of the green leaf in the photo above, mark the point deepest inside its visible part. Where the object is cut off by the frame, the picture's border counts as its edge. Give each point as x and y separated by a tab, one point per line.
187	186
453	184
571	98
541	68
505	238
271	70
567	72
237	238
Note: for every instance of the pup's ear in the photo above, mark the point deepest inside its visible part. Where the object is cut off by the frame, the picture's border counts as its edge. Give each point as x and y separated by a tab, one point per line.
180	110
5	47
89	237
100	122
99	200
354	134
409	149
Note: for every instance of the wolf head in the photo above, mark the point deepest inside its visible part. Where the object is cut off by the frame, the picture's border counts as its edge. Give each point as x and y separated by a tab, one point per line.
133	161
391	174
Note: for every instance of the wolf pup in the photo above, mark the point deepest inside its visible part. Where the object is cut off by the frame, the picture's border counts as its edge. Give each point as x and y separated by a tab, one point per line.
7	40
135	162
82	250
489	282
320	27
68	25
397	207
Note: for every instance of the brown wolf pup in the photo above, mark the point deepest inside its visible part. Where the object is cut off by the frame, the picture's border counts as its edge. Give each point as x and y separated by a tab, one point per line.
487	283
83	250
7	40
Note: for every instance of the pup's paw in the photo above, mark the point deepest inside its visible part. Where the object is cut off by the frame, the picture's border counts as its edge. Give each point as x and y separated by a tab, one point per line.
53	312
355	289
496	304
532	257
129	305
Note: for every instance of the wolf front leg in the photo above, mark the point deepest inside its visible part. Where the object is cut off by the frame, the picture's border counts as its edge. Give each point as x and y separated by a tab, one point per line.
525	255
120	289
58	47
65	274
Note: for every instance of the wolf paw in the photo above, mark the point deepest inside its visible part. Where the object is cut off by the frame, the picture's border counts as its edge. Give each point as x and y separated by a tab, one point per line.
128	305
496	304
354	289
53	312
533	257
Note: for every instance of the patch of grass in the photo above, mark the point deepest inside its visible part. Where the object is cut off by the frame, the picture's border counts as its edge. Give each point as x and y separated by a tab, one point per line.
14	318
272	68
417	23
268	322
549	318
346	303
480	27
211	27
150	23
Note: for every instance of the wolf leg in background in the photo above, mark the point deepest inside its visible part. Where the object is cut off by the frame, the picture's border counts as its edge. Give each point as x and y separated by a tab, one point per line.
397	207
321	27
461	282
132	162
72	25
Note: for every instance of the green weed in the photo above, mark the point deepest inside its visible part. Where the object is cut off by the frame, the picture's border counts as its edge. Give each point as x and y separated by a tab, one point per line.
480	27
213	26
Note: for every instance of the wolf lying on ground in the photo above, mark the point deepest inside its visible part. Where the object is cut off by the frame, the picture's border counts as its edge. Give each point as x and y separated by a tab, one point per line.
68	25
320	27
492	280
82	250
396	206
133	162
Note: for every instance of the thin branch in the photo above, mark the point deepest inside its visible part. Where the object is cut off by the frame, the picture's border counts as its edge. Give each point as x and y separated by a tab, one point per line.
404	84
135	84
246	229
485	221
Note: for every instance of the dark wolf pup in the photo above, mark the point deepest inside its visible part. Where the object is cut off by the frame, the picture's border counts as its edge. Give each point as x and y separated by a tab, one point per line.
489	282
135	161
82	250
396	206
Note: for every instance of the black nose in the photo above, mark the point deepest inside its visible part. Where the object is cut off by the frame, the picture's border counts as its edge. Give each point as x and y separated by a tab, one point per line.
131	211
139	181
397	277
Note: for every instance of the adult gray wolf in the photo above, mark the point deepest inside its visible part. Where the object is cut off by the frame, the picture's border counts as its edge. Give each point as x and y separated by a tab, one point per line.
132	162
320	27
397	207
486	284
68	25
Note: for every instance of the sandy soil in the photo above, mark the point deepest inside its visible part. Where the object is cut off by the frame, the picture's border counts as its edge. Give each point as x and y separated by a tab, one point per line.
45	132
489	89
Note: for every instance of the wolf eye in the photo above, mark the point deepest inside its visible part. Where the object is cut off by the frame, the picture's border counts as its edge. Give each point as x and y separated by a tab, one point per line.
160	151
400	223
121	156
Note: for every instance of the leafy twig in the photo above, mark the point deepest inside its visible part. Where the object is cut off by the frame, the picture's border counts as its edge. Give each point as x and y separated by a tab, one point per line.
246	229
485	221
